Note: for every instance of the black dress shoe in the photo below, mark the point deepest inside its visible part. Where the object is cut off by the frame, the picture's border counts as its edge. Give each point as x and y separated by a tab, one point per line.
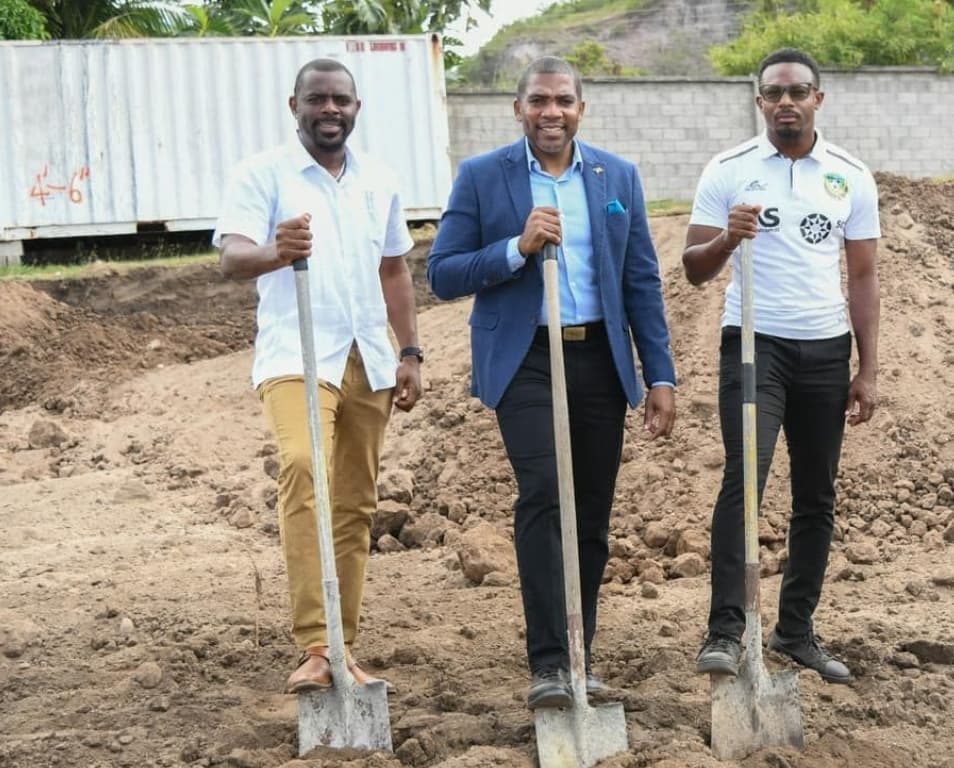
719	655
595	686
549	688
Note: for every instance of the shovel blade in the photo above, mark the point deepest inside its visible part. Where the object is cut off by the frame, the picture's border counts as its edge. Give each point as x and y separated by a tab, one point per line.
353	717
755	710
580	736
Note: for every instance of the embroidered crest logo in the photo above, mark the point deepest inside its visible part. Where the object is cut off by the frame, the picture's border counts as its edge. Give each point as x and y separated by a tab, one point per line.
836	185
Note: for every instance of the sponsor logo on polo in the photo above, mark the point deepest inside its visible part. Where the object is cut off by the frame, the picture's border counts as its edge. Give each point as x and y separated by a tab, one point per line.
815	228
756	186
769	220
836	185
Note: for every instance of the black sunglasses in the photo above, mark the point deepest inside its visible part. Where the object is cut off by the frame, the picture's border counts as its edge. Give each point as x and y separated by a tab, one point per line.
774	93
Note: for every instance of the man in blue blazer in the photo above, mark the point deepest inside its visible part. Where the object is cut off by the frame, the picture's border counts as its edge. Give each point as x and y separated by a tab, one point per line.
504	207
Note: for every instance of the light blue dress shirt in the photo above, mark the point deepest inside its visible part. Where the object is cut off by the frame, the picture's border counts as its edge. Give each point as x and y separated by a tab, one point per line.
579	290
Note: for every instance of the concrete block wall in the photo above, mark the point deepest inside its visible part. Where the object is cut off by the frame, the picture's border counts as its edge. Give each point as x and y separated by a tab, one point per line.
894	119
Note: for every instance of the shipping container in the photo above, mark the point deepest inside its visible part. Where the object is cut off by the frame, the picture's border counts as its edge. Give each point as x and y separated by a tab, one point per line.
115	137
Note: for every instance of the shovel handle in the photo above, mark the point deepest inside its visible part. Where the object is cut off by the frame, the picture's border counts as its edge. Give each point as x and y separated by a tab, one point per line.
749	433
326	545
564	456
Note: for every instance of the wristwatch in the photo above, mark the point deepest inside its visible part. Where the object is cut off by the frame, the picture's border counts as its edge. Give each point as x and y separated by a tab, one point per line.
412	352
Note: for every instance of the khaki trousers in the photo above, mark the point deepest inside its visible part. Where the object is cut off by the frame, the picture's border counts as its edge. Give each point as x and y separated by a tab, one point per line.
353	421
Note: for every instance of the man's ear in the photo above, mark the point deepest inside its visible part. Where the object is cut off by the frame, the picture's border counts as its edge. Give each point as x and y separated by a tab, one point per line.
517	112
293	104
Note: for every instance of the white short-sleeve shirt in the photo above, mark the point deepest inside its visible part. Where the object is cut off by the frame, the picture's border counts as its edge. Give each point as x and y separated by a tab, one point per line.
809	206
355	223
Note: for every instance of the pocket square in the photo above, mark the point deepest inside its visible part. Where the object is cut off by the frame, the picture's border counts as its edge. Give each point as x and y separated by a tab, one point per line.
615	206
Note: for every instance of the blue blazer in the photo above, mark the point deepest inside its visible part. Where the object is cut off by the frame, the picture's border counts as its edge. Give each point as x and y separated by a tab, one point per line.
489	204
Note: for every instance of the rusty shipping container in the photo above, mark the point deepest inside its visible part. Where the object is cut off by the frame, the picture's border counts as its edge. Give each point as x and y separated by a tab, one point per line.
113	137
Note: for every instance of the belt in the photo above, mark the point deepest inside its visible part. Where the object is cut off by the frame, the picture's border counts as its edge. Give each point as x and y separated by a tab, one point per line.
585	332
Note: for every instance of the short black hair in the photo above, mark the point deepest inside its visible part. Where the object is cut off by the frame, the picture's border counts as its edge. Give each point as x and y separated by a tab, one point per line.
549	65
323	65
790	56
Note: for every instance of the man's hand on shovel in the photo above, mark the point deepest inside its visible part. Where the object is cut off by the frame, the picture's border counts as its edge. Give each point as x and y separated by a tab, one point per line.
293	239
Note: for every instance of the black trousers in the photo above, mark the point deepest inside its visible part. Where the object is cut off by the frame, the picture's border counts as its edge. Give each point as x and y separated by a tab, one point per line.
597	408
802	386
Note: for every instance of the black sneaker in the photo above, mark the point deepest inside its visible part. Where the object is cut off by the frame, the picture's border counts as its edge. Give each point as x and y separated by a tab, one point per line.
549	687
808	652
719	655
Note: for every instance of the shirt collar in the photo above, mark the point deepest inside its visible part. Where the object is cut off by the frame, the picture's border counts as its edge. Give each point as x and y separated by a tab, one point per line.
534	165
767	149
301	158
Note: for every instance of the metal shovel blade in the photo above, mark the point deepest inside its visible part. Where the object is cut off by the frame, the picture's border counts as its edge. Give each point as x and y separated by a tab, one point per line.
755	709
580	736
352	716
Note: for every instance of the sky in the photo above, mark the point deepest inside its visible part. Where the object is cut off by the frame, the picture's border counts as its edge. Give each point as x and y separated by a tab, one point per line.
503	12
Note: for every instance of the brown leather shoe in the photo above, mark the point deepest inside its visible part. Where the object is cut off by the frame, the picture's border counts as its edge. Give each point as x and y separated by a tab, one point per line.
363	678
313	672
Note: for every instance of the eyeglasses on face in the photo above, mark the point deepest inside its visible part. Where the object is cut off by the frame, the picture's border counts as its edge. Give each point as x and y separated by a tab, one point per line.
773	93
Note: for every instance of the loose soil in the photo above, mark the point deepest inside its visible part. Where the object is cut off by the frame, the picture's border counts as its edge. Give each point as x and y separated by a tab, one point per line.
144	617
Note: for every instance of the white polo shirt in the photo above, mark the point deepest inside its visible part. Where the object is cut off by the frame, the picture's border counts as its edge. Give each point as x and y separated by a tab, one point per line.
809	206
355	222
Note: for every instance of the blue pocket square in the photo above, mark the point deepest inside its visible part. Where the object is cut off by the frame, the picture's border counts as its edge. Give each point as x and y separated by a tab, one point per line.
615	206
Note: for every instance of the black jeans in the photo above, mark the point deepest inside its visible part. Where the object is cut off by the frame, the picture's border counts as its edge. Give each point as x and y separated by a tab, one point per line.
597	408
801	386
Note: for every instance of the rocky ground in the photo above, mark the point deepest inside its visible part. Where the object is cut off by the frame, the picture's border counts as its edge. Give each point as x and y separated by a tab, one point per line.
144	619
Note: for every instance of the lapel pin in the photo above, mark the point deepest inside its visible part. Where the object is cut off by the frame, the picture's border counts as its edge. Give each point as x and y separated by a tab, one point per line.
597	169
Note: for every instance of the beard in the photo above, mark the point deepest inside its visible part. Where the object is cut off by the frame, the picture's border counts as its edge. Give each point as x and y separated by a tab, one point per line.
788	132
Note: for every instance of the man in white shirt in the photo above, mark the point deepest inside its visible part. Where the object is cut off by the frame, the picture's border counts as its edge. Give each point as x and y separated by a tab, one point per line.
316	198
799	197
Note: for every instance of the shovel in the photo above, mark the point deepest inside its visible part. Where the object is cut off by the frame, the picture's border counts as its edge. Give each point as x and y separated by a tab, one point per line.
754	709
582	735
346	715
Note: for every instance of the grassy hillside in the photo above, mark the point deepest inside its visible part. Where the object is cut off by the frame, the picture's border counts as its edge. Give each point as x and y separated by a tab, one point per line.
614	37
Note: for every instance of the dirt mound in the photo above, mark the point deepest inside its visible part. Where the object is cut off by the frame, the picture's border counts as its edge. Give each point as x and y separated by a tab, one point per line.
103	329
144	619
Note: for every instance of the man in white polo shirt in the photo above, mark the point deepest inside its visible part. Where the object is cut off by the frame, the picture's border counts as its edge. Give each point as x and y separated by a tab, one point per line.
316	198
800	198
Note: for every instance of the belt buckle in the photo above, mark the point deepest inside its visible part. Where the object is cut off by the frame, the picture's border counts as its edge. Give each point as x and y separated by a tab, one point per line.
574	333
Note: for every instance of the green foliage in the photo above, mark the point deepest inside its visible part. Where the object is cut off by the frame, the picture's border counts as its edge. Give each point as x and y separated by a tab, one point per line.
69	19
202	21
20	21
590	59
271	18
847	33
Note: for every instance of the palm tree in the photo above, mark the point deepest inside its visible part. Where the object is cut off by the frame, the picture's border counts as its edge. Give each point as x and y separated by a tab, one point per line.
68	19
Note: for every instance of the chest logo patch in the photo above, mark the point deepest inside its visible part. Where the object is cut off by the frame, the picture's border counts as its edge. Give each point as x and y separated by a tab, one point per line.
815	228
836	185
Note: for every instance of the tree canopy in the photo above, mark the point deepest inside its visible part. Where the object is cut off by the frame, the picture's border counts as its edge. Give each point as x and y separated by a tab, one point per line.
847	33
69	19
21	21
